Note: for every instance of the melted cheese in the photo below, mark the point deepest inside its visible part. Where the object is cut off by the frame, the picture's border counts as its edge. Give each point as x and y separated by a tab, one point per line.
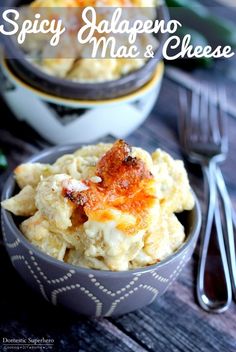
105	206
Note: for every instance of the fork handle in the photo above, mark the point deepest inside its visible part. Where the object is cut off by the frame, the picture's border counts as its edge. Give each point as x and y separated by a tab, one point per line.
213	215
229	229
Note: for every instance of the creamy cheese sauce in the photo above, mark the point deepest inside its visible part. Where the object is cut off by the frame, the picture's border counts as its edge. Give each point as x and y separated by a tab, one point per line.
113	210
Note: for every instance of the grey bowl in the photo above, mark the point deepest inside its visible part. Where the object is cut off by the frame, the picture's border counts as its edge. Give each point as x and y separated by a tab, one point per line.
86	291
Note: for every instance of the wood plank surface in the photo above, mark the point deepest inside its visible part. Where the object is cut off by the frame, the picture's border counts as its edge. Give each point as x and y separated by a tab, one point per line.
174	322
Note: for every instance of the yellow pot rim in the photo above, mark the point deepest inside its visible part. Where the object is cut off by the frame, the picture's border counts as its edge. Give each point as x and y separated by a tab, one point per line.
67	101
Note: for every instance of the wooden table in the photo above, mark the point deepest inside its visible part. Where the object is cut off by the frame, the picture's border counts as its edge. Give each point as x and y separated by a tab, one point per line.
174	322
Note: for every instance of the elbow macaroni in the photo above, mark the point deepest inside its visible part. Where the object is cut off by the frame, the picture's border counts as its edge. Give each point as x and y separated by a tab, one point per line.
52	224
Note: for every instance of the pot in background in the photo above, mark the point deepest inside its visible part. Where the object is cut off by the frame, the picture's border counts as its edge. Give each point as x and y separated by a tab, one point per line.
36	78
63	111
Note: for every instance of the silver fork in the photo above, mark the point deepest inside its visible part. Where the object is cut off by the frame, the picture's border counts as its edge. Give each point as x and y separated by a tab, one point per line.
203	137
